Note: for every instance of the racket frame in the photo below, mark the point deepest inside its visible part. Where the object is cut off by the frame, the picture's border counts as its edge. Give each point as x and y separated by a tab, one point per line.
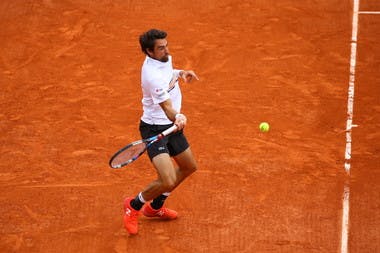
148	142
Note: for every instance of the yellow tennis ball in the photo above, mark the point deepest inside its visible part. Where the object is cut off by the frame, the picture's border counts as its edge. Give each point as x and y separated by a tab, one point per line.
264	127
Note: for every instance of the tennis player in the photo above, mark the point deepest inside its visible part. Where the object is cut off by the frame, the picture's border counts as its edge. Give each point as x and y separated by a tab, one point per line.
161	109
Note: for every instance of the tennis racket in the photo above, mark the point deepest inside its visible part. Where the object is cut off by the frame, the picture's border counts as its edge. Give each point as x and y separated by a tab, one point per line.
135	149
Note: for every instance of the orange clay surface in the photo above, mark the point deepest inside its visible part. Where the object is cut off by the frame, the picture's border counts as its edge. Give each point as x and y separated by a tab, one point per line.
70	97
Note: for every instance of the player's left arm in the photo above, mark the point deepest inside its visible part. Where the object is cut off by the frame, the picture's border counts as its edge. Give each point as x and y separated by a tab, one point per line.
187	75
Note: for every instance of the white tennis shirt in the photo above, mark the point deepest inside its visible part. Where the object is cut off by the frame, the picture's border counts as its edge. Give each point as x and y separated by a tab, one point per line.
159	82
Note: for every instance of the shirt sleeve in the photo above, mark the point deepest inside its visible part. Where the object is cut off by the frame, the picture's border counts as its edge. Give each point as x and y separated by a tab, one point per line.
158	91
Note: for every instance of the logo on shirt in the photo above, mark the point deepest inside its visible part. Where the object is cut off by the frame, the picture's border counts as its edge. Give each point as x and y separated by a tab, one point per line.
159	91
172	83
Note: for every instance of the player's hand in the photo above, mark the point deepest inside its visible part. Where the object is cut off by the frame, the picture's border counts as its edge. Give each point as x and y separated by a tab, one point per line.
180	121
188	75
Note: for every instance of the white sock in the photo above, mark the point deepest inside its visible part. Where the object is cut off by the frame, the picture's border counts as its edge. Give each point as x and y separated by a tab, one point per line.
141	198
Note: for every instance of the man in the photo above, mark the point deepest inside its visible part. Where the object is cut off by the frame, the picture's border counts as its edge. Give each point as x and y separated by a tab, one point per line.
161	109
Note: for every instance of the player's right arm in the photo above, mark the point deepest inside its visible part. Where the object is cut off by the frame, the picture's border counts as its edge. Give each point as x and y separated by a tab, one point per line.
178	118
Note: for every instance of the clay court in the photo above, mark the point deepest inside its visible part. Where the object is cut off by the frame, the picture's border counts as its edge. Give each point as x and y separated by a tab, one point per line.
70	97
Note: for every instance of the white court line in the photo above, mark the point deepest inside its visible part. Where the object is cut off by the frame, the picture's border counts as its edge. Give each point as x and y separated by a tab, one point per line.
370	12
349	125
351	85
345	219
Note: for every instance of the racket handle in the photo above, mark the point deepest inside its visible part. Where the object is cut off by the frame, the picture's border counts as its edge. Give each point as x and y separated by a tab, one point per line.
169	130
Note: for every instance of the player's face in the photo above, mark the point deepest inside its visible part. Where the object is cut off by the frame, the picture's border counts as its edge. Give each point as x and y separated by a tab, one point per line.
160	51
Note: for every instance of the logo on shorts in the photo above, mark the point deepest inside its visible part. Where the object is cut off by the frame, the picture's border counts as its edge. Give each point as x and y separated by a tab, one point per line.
161	148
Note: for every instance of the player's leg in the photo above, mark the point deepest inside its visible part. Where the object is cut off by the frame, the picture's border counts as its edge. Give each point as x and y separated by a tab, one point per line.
169	179
187	165
160	189
166	180
168	176
158	153
160	158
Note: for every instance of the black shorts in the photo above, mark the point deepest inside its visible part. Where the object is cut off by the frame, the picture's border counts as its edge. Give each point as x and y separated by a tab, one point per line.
174	144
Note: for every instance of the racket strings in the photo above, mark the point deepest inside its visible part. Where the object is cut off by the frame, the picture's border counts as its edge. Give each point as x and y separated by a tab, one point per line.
128	155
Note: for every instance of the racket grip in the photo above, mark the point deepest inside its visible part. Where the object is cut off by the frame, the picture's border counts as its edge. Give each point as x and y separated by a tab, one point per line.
169	130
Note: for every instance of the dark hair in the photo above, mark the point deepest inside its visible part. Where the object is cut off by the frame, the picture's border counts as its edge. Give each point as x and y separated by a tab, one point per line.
147	39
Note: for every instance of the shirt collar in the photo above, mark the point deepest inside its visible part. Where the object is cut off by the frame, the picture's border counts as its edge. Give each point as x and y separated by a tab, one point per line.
157	62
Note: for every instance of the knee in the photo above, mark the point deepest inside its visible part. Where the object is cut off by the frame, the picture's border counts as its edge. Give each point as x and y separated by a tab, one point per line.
191	169
168	183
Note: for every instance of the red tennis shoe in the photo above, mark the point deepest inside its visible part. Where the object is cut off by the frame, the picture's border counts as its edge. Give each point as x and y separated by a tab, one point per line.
162	213
130	217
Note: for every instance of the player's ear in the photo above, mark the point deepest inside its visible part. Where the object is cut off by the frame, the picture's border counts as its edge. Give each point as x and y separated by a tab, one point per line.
149	52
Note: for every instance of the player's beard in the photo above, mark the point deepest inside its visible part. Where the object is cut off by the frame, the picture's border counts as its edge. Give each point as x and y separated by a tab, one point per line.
164	58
